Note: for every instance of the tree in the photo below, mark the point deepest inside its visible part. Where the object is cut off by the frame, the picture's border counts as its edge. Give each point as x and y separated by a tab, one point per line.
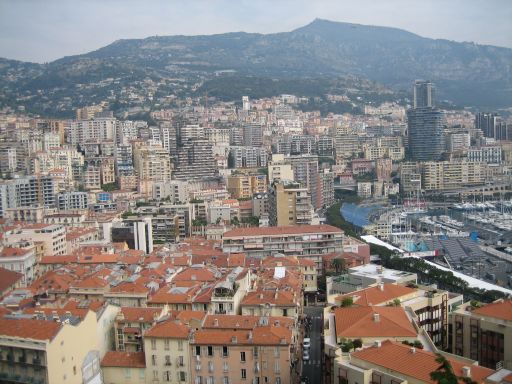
339	265
358	343
347	302
444	373
235	221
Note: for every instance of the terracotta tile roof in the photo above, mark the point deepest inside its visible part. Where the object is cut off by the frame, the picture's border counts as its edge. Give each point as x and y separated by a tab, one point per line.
399	358
266	335
135	314
58	260
8	278
131	287
285	230
242	322
124	359
376	295
29	328
357	322
187	316
499	310
280	298
196	274
53	281
170	295
168	329
14	252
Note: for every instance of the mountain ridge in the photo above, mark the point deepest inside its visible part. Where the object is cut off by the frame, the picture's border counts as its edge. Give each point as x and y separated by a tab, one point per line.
465	73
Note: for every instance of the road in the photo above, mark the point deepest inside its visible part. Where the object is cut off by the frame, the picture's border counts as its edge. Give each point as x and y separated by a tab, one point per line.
313	368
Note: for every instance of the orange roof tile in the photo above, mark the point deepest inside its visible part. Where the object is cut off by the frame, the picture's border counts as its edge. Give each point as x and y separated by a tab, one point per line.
242	322
285	230
8	278
398	358
124	359
266	335
14	252
135	314
376	295
29	328
280	298
168	329
356	322
501	309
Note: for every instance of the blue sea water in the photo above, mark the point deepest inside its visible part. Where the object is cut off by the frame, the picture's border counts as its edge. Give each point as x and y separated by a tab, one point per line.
356	214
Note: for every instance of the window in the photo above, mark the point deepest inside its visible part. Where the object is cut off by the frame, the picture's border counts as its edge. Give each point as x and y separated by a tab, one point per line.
127	373
225	351
210	366
210	350
167	360
276	352
180	345
182	376
242	356
225	380
285	312
153	344
225	367
198	350
255	351
243	373
181	361
278	380
153	360
155	375
276	367
166	344
198	380
167	376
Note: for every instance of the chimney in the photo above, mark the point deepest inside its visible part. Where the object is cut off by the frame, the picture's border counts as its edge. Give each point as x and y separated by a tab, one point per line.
466	372
249	336
377	344
215	322
381	286
413	350
376	317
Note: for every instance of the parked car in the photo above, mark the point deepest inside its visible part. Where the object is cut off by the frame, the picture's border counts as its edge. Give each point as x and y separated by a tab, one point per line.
304	380
306	343
305	355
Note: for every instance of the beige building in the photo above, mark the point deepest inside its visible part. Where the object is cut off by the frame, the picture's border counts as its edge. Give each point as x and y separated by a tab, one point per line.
124	368
52	236
289	204
152	163
484	333
260	355
244	186
278	170
47	352
451	174
166	346
303	241
390	362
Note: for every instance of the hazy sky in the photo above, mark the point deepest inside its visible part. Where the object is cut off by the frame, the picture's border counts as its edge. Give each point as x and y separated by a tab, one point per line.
44	30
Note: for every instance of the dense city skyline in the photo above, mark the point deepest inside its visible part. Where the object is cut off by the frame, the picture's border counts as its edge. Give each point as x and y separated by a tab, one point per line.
61	28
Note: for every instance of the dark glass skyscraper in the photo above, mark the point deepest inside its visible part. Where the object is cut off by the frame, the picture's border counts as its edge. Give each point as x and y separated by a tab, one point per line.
425	124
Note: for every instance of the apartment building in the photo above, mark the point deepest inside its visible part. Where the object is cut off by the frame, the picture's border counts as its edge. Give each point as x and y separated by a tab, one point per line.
308	241
124	367
260	355
391	362
244	186
247	157
166	346
52	236
47	352
21	260
451	174
289	204
484	333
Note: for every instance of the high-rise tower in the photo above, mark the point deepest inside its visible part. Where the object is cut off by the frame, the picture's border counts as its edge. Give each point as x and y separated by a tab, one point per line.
425	124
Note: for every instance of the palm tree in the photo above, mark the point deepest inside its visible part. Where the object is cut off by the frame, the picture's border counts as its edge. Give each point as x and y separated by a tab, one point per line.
444	373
